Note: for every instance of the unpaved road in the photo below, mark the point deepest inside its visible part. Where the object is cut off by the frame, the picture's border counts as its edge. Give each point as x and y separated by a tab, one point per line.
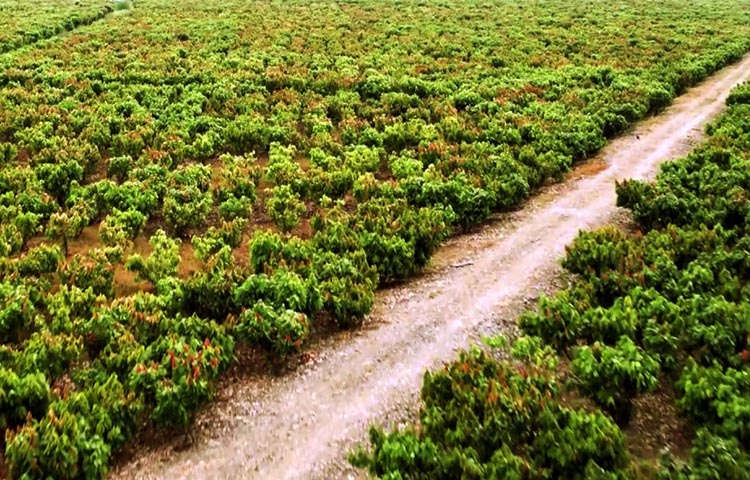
300	425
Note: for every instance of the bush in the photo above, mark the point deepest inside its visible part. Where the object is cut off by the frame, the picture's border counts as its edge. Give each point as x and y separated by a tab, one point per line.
186	208
57	446
188	199
233	208
226	234
94	269
75	436
285	207
614	376
283	289
16	310
119	167
120	227
280	330
162	263
183	379
712	456
21	396
715	397
347	285
739	95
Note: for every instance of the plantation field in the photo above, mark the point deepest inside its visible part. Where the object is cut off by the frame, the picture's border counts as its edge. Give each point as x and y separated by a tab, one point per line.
183	179
663	307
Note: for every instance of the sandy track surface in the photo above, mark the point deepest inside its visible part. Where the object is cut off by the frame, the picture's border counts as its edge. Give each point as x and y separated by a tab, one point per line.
300	425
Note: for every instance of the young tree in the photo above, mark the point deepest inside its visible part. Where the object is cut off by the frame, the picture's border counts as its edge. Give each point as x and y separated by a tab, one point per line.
285	207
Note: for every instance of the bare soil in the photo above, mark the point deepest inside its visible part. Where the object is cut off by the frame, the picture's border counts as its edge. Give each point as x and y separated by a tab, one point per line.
300	424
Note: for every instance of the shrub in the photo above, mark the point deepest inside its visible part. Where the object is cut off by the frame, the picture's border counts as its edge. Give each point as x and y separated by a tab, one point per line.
162	263
186	208
285	207
613	376
280	330
120	227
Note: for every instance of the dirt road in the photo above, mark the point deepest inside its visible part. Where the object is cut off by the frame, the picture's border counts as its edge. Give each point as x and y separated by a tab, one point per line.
300	425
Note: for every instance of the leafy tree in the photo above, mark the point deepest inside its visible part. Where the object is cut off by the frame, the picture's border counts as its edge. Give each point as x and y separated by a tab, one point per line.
162	263
613	376
280	330
285	207
66	225
119	227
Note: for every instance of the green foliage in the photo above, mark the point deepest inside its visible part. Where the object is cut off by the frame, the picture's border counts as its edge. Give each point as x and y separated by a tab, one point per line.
75	436
66	226
712	456
38	260
482	418
188	199
471	205
269	251
361	159
347	286
398	240
140	195
8	153
163	261
238	179
49	354
208	292
285	208
739	95
280	330
57	445
227	234
27	394
16	310
119	167
94	270
404	167
715	397
186	208
613	376
282	168
178	376
232	208
57	178
120	227
283	289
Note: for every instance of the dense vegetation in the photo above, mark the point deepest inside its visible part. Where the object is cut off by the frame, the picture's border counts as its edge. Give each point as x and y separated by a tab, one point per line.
666	304
30	21
191	176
